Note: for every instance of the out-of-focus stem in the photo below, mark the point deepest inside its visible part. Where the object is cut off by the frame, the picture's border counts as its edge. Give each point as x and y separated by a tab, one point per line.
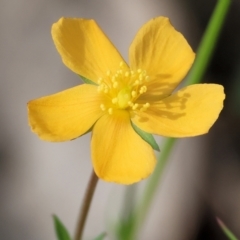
208	42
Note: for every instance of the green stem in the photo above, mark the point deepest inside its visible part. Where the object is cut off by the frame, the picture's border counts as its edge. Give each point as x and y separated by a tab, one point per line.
125	226
155	178
208	42
86	205
226	230
151	187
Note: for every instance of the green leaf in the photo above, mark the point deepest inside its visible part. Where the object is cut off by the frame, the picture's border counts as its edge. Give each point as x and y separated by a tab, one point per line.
101	236
225	229
87	81
146	137
61	231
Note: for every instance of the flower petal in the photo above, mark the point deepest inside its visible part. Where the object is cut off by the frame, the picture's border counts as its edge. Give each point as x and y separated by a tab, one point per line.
84	48
118	152
163	52
189	112
65	115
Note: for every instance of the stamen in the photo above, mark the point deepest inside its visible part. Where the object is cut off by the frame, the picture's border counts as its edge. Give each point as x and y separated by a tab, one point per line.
145	107
134	107
127	74
114	100
121	64
102	106
136	82
122	87
130	103
115	84
143	89
108	73
134	93
110	111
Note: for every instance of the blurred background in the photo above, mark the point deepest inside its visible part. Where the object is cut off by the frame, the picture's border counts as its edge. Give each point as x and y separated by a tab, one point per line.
39	179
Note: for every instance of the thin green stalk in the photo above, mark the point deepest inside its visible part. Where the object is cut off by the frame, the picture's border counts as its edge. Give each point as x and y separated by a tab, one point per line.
150	188
153	182
125	226
226	230
208	42
86	205
204	54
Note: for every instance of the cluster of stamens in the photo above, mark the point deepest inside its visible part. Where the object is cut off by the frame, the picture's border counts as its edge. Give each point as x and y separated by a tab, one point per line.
123	88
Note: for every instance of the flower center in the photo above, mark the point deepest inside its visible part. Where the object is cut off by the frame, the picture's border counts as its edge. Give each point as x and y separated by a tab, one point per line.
123	97
122	89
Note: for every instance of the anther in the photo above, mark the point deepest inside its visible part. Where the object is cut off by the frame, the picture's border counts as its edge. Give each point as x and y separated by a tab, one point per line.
110	111
143	89
121	64
137	82
147	105
114	100
126	74
115	84
130	103
134	107
108	73
134	93
102	106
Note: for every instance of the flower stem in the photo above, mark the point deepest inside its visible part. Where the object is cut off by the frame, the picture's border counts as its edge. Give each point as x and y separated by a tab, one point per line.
86	205
142	208
208	42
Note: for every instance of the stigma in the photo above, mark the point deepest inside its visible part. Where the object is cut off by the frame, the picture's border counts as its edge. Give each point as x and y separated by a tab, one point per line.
122	89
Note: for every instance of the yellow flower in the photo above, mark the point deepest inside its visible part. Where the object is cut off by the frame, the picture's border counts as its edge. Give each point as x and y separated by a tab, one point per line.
140	93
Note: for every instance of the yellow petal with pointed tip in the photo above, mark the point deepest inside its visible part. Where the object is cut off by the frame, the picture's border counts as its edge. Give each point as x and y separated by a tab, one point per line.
84	48
118	152
189	112
65	115
164	53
